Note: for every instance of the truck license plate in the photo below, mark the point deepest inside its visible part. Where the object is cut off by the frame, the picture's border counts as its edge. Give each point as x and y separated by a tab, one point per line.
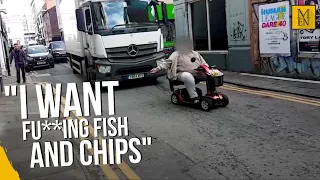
41	62
136	76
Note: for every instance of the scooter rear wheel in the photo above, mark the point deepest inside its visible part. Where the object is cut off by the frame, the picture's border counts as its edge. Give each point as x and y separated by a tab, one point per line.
206	104
175	99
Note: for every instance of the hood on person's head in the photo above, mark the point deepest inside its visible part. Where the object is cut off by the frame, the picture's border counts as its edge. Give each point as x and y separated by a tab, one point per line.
184	45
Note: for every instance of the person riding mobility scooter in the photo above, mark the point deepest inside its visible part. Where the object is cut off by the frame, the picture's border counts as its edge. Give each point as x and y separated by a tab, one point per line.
187	67
211	99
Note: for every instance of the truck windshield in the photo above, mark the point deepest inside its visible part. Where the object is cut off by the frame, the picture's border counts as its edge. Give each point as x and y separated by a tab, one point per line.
114	13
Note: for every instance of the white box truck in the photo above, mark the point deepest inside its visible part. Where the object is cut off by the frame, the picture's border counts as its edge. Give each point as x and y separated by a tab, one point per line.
112	39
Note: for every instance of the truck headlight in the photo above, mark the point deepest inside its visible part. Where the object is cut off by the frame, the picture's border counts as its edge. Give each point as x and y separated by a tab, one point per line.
29	58
104	69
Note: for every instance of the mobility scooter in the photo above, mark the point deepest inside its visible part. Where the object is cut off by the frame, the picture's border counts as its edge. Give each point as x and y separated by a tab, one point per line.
210	100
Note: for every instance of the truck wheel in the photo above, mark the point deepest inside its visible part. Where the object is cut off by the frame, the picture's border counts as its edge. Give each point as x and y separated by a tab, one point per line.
153	80
74	71
90	77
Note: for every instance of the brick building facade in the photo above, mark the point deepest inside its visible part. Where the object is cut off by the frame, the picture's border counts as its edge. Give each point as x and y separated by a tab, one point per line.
52	32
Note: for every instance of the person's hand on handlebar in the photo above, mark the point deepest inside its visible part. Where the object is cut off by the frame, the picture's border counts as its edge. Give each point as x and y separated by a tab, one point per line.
154	70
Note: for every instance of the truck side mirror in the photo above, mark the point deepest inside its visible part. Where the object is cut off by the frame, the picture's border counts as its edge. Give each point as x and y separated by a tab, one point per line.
80	20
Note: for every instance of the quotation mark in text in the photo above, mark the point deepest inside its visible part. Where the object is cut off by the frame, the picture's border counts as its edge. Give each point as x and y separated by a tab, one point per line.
10	90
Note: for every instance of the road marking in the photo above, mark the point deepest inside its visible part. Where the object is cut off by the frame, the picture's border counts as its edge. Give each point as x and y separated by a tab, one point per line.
42	75
109	173
281	78
271	94
34	72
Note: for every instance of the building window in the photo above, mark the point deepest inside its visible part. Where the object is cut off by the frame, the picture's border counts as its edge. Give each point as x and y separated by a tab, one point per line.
199	25
217	23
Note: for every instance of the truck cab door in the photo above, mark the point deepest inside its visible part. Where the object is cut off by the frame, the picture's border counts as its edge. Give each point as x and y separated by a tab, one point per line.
89	29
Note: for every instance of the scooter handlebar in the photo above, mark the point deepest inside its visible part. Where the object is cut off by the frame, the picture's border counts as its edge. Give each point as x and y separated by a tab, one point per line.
205	68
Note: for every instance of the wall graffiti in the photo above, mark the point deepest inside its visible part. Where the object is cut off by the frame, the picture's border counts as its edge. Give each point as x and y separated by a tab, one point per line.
238	32
292	66
237	22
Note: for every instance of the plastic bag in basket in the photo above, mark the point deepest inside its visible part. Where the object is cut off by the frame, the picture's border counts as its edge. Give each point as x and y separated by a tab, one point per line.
215	73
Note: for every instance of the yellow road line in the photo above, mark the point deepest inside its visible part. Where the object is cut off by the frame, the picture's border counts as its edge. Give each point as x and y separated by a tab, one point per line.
273	95
130	174
126	170
105	167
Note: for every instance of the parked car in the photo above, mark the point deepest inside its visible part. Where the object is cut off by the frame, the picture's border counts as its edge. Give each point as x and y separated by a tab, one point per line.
58	51
38	56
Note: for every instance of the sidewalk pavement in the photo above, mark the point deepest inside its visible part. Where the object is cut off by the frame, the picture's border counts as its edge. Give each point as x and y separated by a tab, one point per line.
284	85
19	151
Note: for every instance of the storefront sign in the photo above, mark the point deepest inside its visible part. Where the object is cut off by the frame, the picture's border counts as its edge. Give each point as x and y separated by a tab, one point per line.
309	40
303	17
274	28
311	15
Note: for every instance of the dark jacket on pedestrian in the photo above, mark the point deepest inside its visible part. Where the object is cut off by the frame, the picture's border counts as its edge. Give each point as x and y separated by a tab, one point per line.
11	49
18	56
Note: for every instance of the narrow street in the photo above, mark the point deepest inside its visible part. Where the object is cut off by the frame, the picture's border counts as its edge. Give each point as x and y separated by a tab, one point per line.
260	135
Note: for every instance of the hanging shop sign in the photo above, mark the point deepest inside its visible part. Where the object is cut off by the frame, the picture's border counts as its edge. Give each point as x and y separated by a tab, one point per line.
309	41
274	28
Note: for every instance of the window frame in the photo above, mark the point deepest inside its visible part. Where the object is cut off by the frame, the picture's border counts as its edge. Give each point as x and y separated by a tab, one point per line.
208	28
90	27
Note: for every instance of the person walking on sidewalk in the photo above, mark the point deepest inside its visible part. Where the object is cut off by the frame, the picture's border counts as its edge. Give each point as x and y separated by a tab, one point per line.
19	59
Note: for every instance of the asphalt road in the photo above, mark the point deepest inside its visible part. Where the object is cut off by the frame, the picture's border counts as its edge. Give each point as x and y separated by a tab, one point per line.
260	135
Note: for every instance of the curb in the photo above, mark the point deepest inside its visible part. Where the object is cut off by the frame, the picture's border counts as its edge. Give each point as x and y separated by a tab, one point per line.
270	89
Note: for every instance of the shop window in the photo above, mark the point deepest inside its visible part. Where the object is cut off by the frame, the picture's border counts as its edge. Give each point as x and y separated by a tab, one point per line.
199	25
218	25
218	28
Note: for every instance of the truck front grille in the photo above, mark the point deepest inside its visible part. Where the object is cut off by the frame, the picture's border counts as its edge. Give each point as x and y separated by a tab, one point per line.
133	70
120	54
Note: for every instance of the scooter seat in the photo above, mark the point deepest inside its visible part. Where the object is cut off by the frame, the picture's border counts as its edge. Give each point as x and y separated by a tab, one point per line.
178	83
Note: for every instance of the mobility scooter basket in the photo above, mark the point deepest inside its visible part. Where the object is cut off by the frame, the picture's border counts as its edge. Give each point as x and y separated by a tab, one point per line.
215	81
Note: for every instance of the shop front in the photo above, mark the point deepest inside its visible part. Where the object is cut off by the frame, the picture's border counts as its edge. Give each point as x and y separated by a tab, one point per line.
219	29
